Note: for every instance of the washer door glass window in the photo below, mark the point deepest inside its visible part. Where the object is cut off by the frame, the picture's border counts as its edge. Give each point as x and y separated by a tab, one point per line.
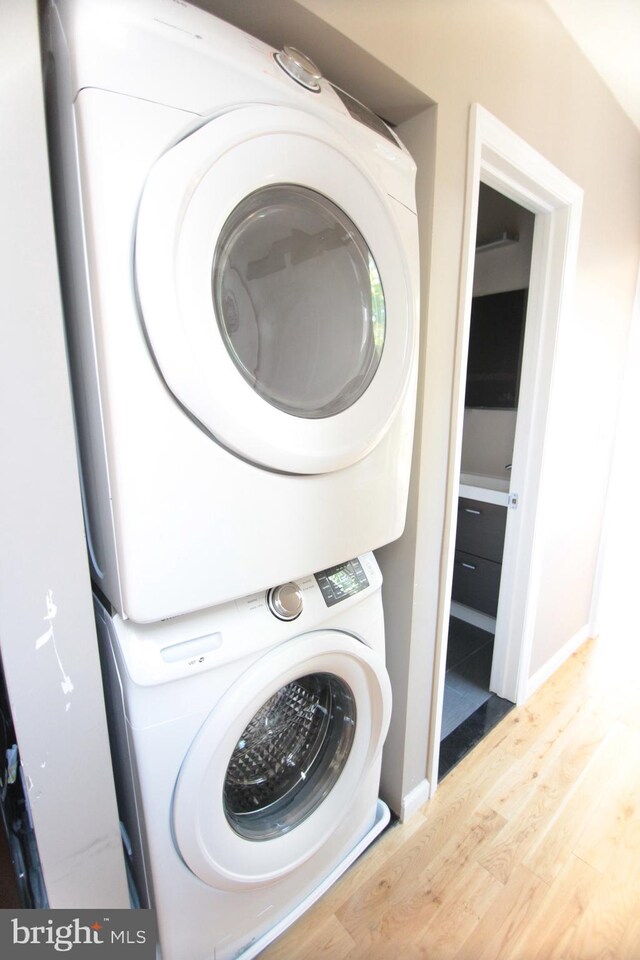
299	301
289	756
282	763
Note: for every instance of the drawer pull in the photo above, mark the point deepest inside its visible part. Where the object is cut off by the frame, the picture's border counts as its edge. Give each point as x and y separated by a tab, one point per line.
469	566
476	512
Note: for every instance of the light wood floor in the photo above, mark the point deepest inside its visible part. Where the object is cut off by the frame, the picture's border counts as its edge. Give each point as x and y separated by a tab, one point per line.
530	850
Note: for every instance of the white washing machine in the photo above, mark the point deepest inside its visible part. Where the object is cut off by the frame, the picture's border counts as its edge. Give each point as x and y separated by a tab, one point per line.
247	754
238	249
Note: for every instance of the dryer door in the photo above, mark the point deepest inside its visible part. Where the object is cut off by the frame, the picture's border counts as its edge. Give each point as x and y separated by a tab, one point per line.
275	290
274	767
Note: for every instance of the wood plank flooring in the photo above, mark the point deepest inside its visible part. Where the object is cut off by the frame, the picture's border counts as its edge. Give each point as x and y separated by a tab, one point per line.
530	849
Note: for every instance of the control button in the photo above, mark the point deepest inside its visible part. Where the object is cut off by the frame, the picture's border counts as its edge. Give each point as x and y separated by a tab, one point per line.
285	601
299	67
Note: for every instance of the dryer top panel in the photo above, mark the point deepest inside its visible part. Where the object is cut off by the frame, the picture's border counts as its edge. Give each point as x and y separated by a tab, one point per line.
172	53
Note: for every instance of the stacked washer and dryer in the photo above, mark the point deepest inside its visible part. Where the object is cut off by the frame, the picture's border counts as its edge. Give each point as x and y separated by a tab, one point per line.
238	252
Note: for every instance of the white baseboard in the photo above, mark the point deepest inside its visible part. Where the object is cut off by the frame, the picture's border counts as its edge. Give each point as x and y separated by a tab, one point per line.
474	617
415	799
550	667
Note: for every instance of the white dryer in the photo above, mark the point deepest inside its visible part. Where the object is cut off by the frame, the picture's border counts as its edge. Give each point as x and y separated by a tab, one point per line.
238	247
247	754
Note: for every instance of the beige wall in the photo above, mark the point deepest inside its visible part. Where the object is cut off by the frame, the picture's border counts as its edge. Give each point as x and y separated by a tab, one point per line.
517	61
407	615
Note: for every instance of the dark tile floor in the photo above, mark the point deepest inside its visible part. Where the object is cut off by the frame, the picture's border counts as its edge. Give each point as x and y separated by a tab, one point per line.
471	731
469	655
470	709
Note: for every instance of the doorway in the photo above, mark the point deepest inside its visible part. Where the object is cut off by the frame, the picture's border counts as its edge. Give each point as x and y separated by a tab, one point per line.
499	159
503	248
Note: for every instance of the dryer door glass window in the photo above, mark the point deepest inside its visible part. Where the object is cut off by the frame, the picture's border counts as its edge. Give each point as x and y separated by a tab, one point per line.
299	301
289	756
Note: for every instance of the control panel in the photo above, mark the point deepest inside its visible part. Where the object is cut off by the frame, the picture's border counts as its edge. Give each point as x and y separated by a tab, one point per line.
344	580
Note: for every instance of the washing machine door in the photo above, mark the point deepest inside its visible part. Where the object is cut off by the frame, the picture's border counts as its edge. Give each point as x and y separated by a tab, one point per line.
276	764
274	289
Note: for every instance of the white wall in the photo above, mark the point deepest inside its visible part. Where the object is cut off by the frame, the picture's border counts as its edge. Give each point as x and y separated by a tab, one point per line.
487	444
47	633
615	613
502	268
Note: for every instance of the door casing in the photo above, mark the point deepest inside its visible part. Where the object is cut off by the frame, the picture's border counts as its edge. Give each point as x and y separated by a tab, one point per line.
505	162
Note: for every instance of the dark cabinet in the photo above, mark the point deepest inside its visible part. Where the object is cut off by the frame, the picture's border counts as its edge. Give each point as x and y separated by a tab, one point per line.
481	528
478	557
476	582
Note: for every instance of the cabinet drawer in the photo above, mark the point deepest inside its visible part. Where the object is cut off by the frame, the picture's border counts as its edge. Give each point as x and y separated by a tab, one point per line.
481	528
476	582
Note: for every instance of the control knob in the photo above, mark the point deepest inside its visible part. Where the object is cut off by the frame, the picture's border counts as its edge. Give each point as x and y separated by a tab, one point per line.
299	67
285	601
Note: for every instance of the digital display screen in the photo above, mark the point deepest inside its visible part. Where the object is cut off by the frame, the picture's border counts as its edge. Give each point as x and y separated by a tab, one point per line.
345	580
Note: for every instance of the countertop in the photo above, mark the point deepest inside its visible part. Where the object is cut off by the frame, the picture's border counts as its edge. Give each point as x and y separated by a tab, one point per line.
488	489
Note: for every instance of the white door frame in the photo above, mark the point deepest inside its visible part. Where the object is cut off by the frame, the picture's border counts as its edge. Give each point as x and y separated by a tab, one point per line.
505	162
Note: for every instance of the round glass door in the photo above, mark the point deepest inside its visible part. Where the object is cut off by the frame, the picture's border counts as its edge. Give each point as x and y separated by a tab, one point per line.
275	768
275	280
299	301
289	756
